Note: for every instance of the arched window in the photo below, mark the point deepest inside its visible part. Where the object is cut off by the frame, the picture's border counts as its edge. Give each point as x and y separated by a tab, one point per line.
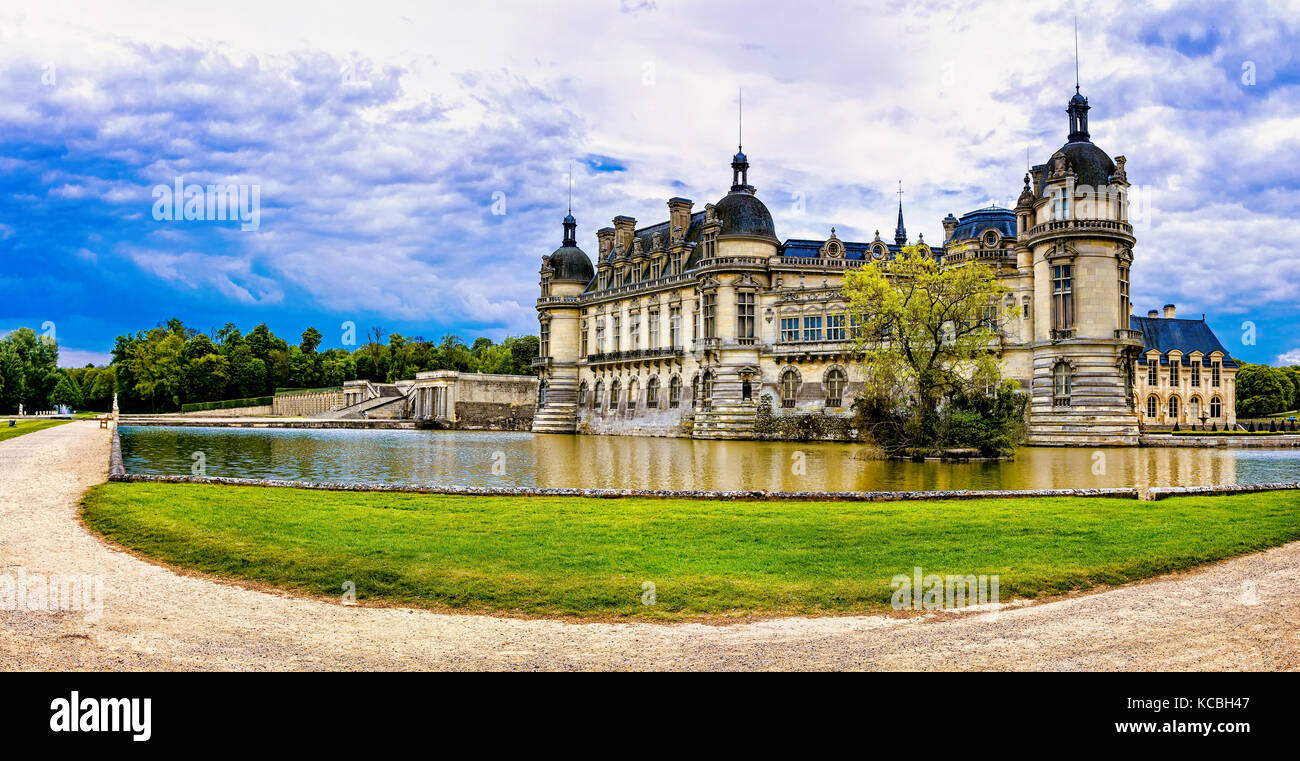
632	394
706	393
695	390
1193	408
835	382
541	393
1173	408
675	392
1153	406
596	398
1061	385
1216	407
790	382
652	393
746	389
582	394
613	394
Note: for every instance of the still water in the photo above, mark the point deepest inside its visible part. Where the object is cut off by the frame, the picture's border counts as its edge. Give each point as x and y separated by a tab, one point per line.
471	458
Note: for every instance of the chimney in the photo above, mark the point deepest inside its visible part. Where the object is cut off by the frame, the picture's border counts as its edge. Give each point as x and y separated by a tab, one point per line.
949	225
623	229
1153	314
679	218
1169	311
605	240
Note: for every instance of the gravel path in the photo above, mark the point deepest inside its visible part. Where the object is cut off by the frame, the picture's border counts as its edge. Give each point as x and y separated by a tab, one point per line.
157	619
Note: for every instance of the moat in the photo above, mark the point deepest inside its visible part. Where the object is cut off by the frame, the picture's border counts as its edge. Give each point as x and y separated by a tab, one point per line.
463	458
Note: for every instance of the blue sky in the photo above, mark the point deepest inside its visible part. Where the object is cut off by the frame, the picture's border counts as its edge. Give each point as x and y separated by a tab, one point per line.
412	158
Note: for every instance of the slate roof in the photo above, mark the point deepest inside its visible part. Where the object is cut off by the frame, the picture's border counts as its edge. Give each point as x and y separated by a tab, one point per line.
974	223
571	264
1187	336
1091	165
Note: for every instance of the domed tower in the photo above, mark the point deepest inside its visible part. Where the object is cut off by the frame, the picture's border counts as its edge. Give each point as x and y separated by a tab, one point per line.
737	243
1074	227
565	274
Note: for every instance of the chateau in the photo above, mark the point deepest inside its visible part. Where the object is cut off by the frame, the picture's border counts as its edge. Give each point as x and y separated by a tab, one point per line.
681	327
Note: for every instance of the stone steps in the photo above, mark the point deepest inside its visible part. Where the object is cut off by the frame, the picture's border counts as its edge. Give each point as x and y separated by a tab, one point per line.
726	421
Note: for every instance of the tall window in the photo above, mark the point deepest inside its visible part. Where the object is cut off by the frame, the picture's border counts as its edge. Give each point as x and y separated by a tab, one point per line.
1173	408
1063	296
835	382
1153	406
1061	385
600	392
600	336
695	324
545	339
634	326
789	328
812	328
632	394
617	331
1214	375
1153	373
1173	372
1194	408
583	353
790	382
744	315
1125	305
1216	407
613	394
675	392
706	391
1196	374
582	394
675	326
709	307
835	330
652	392
654	329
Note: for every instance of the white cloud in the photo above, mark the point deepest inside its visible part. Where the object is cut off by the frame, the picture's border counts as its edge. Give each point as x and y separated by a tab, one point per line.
1288	359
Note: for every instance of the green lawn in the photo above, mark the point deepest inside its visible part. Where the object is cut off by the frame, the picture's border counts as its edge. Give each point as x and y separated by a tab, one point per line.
588	557
25	426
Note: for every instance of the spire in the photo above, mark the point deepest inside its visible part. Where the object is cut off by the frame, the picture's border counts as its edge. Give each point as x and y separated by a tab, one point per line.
570	224
1078	108
900	233
739	162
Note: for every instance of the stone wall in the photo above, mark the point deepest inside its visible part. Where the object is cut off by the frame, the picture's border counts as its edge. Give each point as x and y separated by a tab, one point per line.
258	411
473	401
308	403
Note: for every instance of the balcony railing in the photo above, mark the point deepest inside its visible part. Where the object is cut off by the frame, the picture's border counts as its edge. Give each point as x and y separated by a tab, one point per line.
633	355
1130	336
1080	225
549	300
540	362
817	261
810	347
1061	334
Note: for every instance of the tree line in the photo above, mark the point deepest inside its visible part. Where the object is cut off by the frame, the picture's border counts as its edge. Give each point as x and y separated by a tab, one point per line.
1266	390
160	369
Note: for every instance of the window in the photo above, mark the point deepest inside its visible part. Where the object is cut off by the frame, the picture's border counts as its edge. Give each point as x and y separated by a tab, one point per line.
1216	407
674	326
835	330
695	322
835	382
1153	406
600	336
654	329
790	382
1194	408
1025	307
634	328
1173	372
744	315
1214	375
1153	374
675	392
1196	374
706	392
618	324
652	392
583	353
613	394
990	318
1061	383
789	328
709	307
1063	296
582	394
600	392
812	328
541	394
1173	408
545	339
546	287
1125	305
632	394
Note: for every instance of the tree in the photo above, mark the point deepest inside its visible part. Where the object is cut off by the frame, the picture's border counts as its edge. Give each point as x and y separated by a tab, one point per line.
1262	390
247	374
925	335
311	339
207	378
66	392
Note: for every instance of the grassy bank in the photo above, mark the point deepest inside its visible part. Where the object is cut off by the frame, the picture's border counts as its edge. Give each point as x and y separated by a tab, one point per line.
589	557
26	426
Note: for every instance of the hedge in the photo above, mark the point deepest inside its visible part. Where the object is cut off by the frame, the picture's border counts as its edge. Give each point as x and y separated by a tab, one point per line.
228	404
281	391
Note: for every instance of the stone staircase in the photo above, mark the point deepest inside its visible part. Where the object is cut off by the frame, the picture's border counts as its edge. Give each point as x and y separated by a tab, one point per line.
726	420
560	412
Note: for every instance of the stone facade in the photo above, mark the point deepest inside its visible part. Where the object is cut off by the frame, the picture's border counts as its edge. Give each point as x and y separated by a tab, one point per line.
473	401
307	403
680	328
